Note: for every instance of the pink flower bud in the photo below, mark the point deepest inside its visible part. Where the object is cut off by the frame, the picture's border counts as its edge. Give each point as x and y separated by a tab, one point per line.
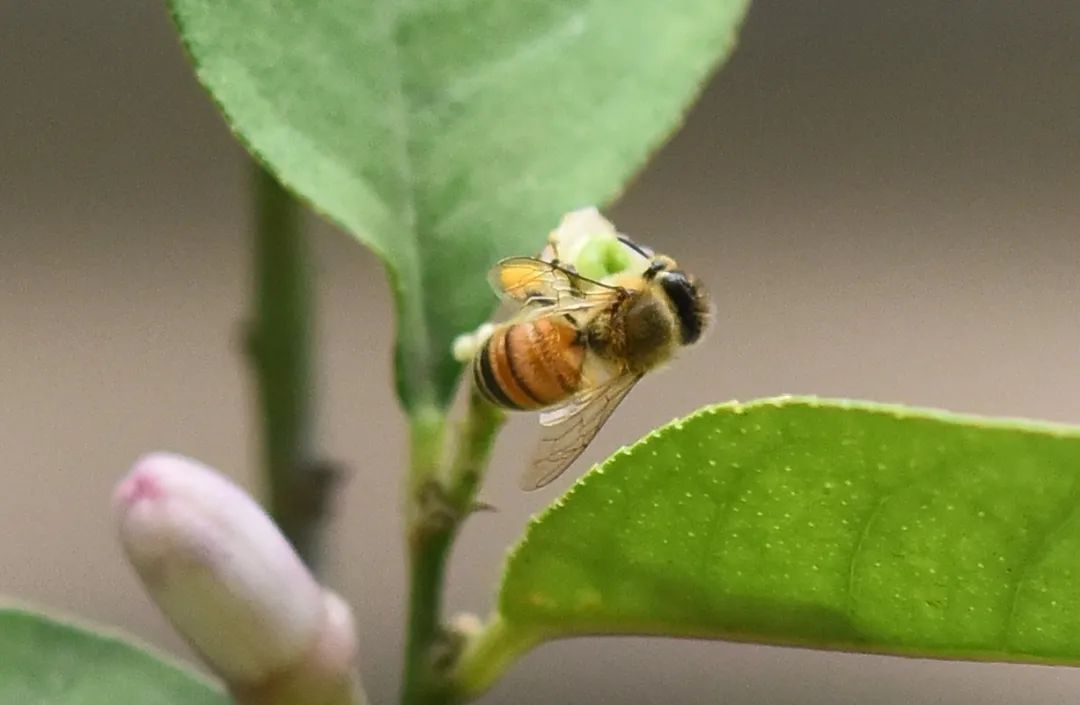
221	571
326	677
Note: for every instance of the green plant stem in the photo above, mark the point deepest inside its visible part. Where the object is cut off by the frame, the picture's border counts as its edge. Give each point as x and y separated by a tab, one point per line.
485	657
476	437
428	644
427	555
279	349
437	507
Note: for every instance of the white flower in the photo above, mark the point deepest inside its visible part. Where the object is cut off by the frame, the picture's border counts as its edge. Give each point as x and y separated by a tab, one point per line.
576	230
589	242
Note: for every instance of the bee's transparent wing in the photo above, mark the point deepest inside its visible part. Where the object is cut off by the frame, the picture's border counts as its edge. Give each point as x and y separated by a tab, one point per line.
570	428
589	393
529	280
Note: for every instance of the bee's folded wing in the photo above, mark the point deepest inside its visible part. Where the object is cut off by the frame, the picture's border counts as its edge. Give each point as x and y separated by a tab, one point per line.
571	427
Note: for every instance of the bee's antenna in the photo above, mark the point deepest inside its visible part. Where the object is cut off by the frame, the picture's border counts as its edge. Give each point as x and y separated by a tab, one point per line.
655	267
641	250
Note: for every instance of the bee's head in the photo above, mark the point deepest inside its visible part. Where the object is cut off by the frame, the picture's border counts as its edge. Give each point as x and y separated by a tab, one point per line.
688	299
659	264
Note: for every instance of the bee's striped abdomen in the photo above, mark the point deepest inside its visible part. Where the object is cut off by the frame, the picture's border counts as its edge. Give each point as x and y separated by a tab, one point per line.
529	365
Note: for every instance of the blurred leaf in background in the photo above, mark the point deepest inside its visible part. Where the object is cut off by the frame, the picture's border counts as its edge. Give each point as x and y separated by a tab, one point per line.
46	661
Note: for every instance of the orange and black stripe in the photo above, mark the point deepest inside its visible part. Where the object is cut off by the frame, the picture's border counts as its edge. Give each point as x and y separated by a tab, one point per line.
529	365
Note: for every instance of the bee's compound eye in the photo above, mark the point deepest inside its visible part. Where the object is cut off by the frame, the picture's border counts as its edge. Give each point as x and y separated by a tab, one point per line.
685	297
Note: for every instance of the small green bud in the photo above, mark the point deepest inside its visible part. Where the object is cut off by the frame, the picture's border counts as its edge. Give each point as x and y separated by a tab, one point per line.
601	256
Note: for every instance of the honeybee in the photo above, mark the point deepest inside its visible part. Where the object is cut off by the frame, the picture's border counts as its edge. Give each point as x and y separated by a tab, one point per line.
577	345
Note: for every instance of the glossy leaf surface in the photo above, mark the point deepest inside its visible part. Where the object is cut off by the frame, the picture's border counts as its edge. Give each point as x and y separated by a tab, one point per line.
827	524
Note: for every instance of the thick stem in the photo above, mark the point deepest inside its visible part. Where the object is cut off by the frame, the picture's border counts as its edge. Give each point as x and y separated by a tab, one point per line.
428	546
437	508
279	348
428	644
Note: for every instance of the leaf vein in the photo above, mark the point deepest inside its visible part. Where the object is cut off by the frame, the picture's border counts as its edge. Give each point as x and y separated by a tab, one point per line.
856	552
1031	556
551	39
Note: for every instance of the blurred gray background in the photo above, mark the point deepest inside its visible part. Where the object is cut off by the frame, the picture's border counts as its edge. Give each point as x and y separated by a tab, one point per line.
882	197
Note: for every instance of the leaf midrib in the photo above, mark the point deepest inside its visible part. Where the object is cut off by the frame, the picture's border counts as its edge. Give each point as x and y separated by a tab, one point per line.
413	317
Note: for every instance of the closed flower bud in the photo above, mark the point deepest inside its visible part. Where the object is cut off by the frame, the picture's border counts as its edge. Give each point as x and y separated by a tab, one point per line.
327	676
221	571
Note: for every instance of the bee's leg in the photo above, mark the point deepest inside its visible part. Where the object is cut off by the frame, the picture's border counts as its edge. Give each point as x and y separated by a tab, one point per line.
550	254
556	260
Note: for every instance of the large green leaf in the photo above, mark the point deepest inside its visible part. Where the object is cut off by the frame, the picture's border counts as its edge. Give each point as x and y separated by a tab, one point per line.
446	135
53	663
827	524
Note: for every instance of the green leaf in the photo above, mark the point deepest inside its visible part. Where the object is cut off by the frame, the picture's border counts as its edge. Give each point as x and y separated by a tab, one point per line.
819	523
447	135
45	661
